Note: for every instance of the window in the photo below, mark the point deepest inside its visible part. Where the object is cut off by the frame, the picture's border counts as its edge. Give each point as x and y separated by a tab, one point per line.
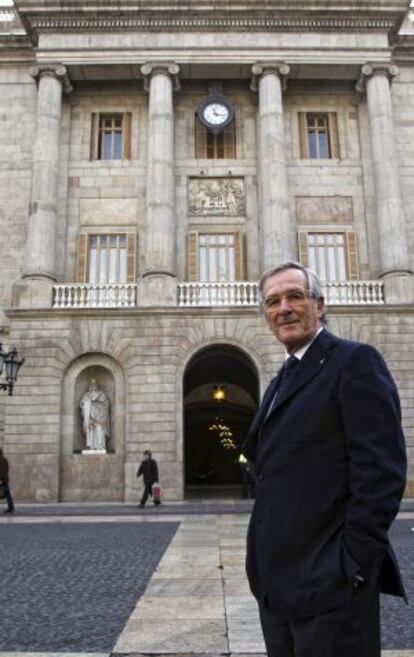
318	133
106	258
111	136
211	146
333	256
215	257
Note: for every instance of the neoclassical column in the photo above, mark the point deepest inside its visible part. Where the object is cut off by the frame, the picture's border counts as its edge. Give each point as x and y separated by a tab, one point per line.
39	273
160	226
40	253
391	222
277	231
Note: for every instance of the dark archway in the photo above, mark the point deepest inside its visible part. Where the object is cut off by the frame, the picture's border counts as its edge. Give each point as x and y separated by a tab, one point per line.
214	429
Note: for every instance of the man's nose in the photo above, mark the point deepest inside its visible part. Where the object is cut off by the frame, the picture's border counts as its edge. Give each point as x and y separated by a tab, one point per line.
284	305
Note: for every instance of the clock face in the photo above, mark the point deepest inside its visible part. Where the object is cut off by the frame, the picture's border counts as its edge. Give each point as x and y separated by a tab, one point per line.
216	113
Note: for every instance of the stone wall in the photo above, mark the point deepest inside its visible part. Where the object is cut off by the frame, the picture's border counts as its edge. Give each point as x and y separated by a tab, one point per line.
100	195
147	352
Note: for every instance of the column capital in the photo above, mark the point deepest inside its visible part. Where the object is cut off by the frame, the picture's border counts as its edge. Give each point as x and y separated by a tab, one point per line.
369	71
260	69
171	69
58	71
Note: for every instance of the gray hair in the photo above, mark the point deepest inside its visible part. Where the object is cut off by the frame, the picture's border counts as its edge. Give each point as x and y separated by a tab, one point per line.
314	284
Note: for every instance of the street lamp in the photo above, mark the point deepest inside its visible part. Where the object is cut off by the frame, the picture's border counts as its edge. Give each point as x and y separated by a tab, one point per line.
12	364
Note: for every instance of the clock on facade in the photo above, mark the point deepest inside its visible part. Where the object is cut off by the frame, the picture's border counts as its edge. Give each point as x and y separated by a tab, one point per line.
215	113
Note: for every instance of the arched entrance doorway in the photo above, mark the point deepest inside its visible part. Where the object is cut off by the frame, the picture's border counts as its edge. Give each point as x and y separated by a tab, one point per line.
221	393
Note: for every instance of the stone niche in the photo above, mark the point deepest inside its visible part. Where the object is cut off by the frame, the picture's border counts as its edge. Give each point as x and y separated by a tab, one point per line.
224	197
92	477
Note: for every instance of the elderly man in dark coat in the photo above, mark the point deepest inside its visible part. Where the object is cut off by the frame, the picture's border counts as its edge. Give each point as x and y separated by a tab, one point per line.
4	479
330	466
149	471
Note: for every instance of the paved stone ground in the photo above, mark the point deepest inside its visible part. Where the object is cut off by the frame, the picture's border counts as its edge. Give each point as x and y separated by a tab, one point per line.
73	586
397	618
61	574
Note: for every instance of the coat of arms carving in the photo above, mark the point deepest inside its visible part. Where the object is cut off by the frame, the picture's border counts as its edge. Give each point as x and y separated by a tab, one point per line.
216	196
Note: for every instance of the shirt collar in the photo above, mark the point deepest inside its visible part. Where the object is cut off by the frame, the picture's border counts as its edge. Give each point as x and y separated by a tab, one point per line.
302	351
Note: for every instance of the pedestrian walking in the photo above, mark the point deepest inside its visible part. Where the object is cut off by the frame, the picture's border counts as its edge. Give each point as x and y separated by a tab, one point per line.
4	480
149	472
330	467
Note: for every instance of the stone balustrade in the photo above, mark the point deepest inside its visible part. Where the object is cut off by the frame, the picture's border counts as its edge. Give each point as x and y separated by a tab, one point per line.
86	295
237	293
350	293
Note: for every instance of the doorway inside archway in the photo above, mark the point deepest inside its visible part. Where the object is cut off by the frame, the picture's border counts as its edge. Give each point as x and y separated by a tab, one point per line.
221	392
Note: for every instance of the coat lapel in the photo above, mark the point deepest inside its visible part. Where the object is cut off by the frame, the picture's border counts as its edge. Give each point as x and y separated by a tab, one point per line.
311	364
249	446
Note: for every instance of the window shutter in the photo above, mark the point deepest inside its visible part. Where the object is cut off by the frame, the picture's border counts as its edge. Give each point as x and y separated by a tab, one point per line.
230	140
303	248
94	136
192	255
352	255
131	257
333	135
303	136
82	259
239	255
126	135
200	139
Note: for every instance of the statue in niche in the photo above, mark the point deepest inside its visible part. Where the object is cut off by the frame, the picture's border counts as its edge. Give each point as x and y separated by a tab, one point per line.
95	408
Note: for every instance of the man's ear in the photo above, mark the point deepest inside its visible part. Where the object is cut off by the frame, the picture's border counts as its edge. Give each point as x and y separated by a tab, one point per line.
321	306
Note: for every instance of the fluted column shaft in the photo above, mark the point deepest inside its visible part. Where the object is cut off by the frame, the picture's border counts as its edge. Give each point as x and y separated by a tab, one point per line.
41	236
277	232
160	231
389	205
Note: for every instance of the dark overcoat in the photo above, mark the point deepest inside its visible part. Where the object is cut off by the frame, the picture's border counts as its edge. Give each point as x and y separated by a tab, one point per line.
330	468
4	470
149	471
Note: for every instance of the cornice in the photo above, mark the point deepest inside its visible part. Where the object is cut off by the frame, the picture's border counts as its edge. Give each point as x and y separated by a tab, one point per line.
220	21
41	16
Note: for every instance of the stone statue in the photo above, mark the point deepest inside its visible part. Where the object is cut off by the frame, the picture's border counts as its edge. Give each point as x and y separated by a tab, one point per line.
95	407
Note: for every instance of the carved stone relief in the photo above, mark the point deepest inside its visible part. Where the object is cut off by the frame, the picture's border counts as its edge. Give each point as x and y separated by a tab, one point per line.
216	196
324	209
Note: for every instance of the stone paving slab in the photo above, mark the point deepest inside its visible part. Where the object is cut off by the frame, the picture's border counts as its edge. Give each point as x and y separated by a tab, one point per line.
184	587
155	636
182	608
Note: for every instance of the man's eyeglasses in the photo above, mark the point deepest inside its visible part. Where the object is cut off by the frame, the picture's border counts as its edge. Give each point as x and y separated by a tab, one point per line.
293	298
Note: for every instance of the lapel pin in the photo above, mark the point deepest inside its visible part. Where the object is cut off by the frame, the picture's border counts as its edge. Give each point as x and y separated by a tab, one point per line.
321	362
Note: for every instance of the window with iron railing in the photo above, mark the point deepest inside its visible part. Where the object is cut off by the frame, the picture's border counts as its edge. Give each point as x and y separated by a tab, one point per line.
332	255
215	257
105	258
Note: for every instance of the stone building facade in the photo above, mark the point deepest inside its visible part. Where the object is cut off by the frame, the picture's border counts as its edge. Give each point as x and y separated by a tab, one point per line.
133	236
